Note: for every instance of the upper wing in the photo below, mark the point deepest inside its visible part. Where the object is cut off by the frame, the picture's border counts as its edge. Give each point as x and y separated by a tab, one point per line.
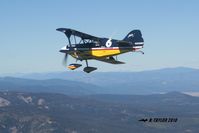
69	32
110	60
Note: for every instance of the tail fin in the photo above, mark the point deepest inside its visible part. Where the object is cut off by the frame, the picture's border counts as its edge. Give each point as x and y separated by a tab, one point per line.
135	37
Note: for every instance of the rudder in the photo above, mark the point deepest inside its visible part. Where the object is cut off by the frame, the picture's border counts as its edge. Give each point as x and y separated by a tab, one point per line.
134	37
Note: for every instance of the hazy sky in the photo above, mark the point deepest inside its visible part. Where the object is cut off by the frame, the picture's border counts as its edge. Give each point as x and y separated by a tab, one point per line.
29	42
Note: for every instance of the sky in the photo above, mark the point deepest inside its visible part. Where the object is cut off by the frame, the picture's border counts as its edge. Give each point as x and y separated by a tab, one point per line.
29	42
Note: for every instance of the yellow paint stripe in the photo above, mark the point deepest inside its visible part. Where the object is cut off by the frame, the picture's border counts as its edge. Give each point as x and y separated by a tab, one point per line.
104	52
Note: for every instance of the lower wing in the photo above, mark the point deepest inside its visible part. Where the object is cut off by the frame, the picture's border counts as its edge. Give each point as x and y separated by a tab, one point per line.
110	60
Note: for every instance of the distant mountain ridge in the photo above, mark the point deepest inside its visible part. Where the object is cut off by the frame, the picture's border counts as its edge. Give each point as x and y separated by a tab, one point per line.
49	85
179	79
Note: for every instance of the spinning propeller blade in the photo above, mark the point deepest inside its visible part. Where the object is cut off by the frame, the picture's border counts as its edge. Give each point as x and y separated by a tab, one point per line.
65	59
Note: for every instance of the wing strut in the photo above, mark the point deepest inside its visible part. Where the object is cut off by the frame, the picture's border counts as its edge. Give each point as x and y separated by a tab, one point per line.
69	41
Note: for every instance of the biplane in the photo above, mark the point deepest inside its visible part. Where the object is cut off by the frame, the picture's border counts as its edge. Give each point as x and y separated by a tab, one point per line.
82	46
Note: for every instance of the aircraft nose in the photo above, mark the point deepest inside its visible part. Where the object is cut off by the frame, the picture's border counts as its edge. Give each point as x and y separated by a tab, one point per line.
63	49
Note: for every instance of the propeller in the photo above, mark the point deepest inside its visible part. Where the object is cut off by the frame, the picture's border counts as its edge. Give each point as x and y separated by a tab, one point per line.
65	59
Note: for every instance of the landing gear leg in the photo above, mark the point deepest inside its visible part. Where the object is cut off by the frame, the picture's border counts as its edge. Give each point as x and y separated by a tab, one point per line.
86	63
88	69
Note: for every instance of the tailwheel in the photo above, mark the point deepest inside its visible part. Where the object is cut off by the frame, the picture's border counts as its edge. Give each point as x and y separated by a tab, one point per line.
89	69
74	66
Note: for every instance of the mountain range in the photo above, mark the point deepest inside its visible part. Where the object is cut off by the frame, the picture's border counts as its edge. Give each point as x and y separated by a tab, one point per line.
108	102
146	82
102	113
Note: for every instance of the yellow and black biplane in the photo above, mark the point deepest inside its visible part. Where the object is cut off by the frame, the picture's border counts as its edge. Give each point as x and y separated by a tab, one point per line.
83	46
